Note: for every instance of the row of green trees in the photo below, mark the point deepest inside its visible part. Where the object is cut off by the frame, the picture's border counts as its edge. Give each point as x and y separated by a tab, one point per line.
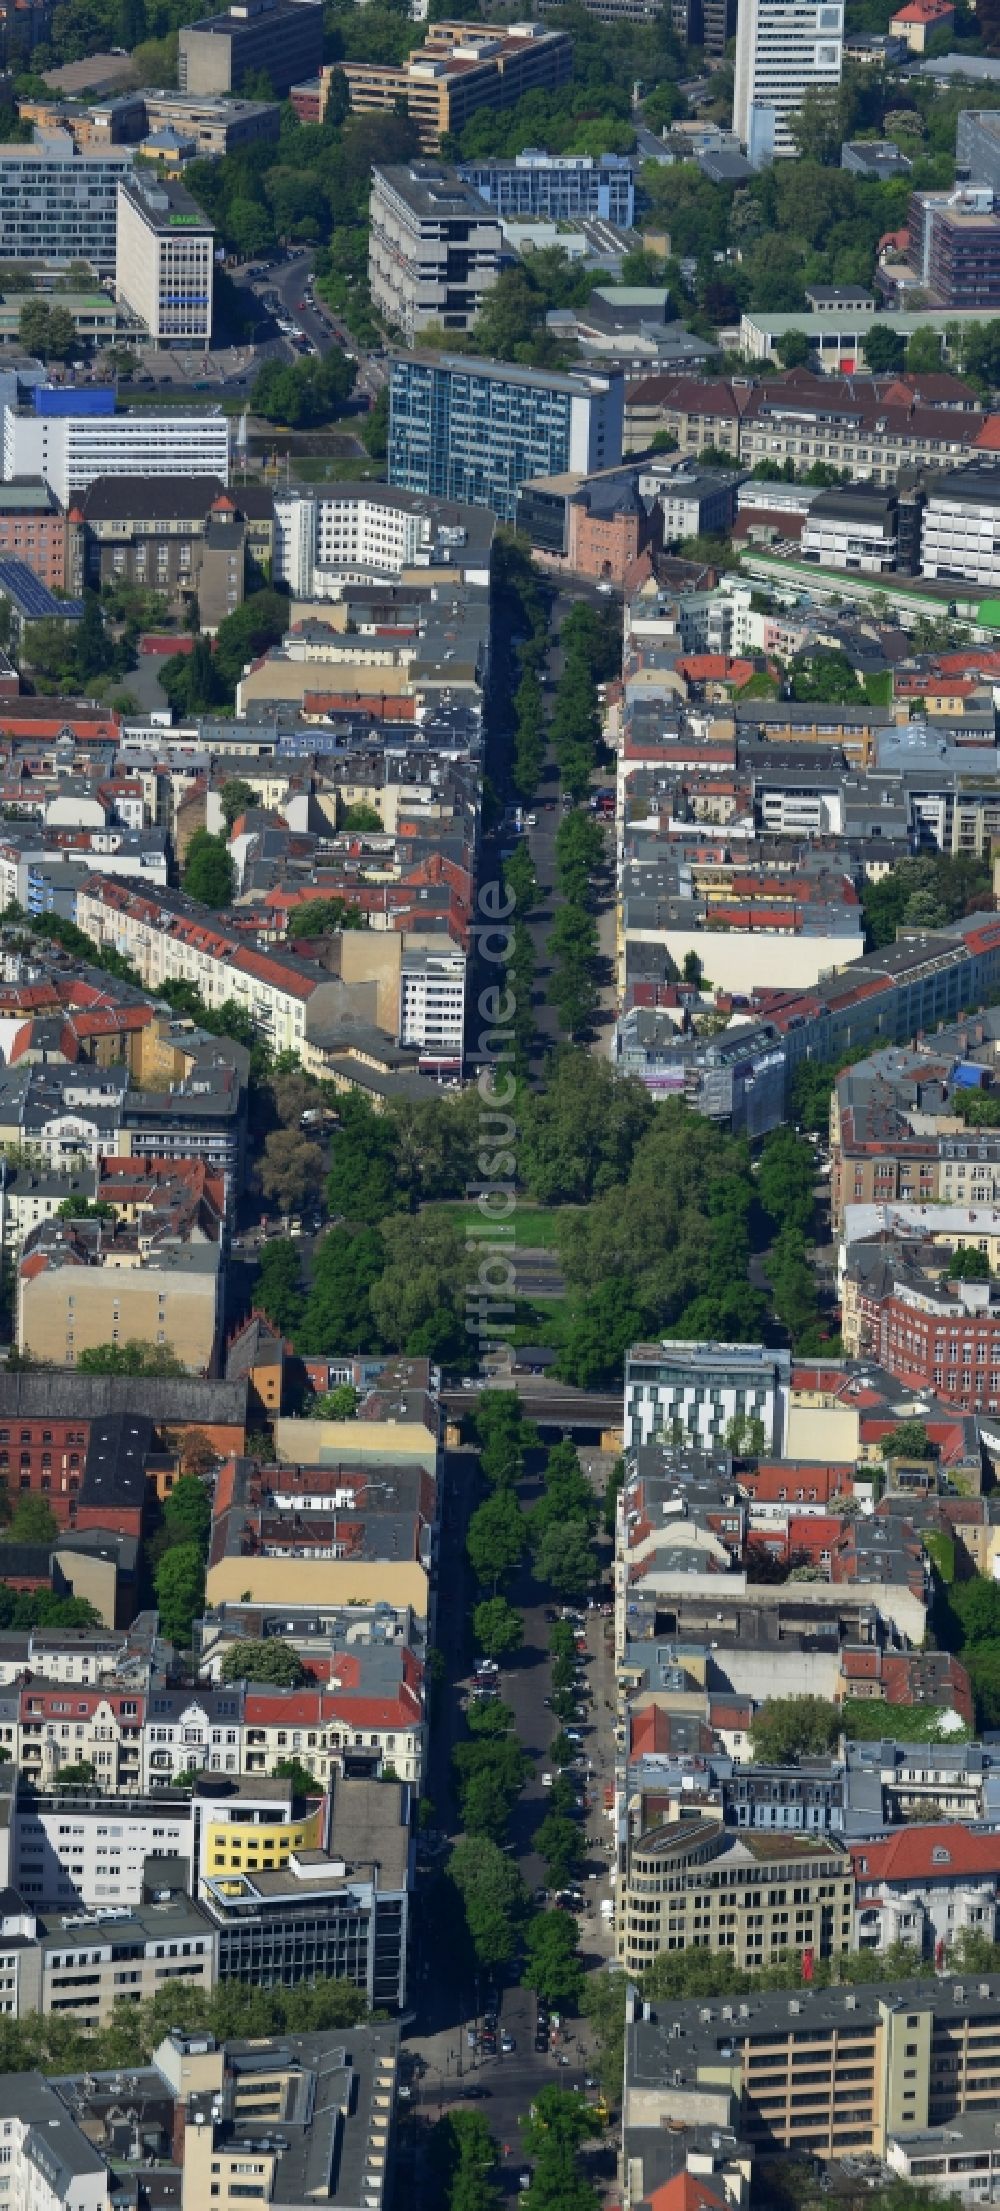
55	2043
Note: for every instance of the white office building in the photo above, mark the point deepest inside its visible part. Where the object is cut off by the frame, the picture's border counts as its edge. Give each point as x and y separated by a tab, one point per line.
692	1391
852	528
69	451
58	204
960	534
363	533
435	249
784	49
165	261
432	1007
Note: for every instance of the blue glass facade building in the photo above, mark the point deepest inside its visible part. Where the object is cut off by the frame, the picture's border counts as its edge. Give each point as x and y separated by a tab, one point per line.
475	430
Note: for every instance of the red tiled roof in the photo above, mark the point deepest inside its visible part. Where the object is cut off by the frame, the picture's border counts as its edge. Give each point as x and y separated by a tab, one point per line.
650	1730
945	1851
923	11
686	2192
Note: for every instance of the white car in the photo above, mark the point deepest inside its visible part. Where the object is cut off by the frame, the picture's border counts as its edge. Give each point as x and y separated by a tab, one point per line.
547	1780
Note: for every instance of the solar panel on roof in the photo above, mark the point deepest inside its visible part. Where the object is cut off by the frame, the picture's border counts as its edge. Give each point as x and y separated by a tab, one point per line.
32	597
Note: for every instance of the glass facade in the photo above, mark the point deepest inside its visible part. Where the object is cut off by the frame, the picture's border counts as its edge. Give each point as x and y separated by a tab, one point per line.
459	433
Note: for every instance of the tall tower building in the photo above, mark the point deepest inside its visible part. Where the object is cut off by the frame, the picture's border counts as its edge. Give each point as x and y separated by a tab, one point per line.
784	49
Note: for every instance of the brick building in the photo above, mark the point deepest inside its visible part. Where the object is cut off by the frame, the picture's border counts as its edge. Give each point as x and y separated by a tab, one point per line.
33	529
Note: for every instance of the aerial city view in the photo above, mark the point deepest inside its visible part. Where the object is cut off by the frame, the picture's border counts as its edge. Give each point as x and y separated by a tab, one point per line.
500	946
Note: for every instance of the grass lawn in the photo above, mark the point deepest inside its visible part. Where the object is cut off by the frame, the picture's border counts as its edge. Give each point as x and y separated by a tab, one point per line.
541	1323
536	1227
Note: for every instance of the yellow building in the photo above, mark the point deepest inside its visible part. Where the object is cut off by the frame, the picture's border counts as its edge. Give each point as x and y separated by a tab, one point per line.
245	1839
821	2072
693	1885
460	68
78	1289
331	2097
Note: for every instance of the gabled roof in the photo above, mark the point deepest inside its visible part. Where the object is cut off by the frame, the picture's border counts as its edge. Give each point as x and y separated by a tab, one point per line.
947	1851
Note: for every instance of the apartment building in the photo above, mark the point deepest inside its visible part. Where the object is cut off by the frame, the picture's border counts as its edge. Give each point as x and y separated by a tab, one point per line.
954	248
371	1520
460	68
165	260
823	2072
895	1138
557	187
923	24
330	2093
926	1886
167	940
693	1884
71	1295
703	1388
435	250
33	529
59	205
784	50
70	450
63	2142
474	430
279	39
432	1008
69	1725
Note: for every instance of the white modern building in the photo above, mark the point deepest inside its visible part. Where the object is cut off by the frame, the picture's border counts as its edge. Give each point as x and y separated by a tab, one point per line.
699	1388
561	187
58	204
69	451
960	535
784	49
853	528
165	261
432	1007
435	249
334	534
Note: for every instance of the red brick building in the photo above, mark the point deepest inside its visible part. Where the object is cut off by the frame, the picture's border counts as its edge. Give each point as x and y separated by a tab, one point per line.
944	1340
33	529
46	1458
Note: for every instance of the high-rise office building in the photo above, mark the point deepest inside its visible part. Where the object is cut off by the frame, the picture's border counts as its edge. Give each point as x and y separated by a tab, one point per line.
434	248
784	49
58	205
475	430
165	261
283	39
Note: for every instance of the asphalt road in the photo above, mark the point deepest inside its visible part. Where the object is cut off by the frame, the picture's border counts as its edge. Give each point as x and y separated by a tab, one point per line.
446	2005
319	322
548	810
